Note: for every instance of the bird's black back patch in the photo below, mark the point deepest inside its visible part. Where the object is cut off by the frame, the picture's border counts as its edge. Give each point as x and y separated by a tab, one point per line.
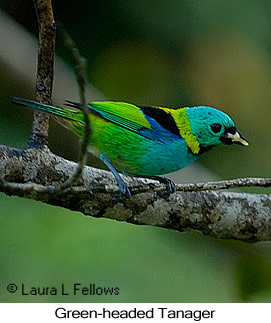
163	118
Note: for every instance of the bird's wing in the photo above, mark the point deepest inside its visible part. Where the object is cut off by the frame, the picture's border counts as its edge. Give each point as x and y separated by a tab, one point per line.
150	122
126	115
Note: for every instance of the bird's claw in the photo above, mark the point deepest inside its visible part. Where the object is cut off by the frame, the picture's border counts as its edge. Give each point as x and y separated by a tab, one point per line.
170	185
124	192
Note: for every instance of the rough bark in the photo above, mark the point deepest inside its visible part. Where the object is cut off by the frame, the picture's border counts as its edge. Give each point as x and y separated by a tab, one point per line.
45	70
226	215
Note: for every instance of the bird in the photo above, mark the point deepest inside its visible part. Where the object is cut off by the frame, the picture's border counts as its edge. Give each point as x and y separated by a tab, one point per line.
146	141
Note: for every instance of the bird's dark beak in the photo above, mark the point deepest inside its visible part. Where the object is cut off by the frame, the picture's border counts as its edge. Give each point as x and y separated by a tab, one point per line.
233	136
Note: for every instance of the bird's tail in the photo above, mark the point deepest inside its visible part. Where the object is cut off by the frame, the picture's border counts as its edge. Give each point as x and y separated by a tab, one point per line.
65	113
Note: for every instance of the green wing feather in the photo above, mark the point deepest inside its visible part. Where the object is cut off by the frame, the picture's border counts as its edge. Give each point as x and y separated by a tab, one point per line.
67	114
124	114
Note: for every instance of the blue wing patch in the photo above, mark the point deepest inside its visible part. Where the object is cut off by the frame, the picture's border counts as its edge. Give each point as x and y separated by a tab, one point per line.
157	132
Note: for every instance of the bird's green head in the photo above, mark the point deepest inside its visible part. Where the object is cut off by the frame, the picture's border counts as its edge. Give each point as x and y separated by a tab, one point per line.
212	127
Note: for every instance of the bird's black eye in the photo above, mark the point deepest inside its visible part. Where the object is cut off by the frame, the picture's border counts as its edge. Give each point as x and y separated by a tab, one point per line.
216	127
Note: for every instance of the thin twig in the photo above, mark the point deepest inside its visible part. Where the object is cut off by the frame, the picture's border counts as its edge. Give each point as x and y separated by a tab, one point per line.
225	184
80	69
45	71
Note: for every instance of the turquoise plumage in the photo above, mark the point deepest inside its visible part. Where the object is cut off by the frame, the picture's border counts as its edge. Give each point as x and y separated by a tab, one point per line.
147	141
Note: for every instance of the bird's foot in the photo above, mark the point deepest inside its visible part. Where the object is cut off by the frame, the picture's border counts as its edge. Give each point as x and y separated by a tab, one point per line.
170	185
124	191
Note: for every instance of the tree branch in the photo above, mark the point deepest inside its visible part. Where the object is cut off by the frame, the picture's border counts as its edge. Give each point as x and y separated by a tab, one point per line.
226	184
226	215
45	71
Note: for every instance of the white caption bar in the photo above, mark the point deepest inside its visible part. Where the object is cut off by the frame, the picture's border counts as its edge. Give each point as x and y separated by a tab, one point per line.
140	312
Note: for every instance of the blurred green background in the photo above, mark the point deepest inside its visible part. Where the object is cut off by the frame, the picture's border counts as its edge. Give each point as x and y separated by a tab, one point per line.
178	53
